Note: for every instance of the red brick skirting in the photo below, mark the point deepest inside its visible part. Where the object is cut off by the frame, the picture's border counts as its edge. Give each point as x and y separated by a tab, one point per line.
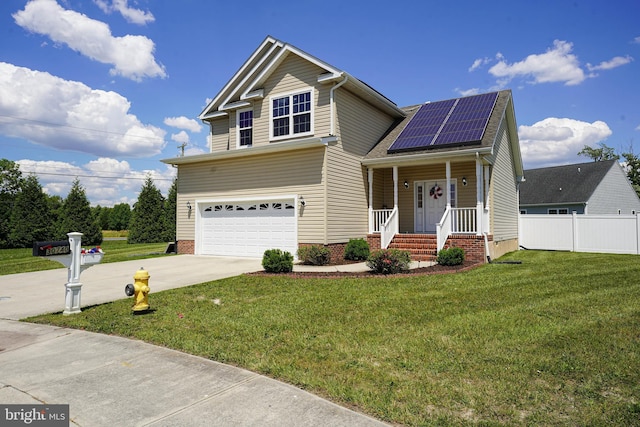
186	247
336	249
473	246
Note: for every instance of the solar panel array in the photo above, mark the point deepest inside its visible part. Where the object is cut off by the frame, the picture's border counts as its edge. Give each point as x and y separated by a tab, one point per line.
453	122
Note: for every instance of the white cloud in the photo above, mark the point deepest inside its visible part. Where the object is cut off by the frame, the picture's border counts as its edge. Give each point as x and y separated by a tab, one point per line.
131	56
69	115
181	137
554	141
106	181
134	16
557	64
183	122
637	40
479	63
468	92
613	63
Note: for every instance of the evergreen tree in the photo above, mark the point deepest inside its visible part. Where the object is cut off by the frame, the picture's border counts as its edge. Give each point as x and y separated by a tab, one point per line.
170	212
120	217
10	185
31	219
147	220
76	215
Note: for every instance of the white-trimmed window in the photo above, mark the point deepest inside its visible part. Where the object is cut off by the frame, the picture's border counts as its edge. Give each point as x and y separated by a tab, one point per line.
560	211
244	124
292	115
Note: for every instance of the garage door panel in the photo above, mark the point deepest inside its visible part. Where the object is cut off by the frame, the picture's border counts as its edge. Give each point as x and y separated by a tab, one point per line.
248	228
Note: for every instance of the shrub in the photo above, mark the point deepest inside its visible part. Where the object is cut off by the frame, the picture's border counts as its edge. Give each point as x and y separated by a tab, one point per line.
389	261
451	256
357	250
314	255
277	261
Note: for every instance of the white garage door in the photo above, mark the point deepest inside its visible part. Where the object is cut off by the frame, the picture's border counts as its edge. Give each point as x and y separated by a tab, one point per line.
247	229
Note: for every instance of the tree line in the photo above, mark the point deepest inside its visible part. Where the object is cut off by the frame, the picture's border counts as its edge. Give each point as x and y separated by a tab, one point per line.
631	164
28	214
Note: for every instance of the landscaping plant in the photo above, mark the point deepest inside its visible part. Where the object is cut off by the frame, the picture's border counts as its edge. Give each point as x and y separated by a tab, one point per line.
389	261
451	256
356	250
314	255
277	261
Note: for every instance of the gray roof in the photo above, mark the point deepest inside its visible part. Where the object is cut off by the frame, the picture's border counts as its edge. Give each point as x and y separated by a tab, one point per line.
379	151
568	184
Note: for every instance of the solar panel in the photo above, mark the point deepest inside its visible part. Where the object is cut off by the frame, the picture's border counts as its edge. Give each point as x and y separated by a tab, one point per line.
453	122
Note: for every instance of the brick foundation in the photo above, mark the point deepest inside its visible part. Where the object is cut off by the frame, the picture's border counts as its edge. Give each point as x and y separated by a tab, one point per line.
473	246
374	241
186	247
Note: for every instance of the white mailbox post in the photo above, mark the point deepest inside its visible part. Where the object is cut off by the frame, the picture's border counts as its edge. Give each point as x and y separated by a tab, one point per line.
75	260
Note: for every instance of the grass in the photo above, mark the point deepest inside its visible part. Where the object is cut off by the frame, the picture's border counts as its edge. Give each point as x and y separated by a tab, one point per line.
22	261
554	341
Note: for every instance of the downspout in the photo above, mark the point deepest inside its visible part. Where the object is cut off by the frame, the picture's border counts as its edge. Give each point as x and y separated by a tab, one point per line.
331	104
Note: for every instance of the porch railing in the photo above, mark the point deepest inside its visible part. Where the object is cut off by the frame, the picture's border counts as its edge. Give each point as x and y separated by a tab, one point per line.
456	221
389	229
378	218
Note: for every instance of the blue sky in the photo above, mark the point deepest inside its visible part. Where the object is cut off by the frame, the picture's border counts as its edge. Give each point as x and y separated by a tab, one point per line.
103	89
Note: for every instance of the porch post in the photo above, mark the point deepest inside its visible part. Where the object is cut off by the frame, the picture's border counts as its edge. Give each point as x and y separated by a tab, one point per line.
487	176
448	189
479	196
395	187
370	179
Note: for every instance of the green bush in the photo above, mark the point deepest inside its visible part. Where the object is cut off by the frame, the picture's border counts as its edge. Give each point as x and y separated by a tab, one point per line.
389	261
277	261
357	250
451	256
314	255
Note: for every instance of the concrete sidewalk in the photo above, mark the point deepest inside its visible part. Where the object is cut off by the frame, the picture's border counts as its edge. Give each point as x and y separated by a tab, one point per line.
113	381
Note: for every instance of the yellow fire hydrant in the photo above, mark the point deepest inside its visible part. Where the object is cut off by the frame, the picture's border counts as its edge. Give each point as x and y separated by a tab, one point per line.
140	290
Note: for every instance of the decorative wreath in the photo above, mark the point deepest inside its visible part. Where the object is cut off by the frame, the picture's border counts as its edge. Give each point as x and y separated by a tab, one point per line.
435	192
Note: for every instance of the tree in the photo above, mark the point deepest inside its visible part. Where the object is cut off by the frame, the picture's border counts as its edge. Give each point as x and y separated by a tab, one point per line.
147	219
120	217
632	167
10	185
599	154
170	212
31	219
76	215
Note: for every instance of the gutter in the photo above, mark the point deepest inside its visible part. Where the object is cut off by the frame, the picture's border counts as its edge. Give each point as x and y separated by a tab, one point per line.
420	158
332	130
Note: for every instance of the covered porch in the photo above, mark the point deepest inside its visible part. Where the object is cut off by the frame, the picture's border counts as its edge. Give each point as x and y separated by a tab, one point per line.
446	198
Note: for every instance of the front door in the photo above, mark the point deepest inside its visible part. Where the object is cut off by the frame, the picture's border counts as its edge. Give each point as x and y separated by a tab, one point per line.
430	203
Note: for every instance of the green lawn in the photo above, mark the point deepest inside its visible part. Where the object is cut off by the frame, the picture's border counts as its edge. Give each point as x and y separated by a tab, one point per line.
22	261
553	341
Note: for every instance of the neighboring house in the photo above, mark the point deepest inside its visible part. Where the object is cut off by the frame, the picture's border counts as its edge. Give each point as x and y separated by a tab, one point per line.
304	153
595	188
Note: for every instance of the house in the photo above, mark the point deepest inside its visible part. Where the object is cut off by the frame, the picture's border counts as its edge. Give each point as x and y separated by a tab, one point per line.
302	153
595	188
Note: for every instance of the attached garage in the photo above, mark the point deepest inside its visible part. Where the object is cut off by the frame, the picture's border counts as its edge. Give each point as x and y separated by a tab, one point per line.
246	228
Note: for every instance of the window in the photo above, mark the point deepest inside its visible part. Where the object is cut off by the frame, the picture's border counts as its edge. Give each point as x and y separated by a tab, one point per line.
245	128
562	211
291	115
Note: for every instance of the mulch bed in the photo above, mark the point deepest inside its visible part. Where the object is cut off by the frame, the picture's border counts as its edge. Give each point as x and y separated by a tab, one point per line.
436	269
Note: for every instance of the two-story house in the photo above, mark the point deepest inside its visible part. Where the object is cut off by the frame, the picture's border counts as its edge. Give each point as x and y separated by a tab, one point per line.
304	153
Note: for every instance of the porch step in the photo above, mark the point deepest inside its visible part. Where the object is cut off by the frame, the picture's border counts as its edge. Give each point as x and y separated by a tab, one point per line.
422	247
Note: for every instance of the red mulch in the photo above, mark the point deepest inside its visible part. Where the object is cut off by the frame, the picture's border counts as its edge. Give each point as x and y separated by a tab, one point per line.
436	269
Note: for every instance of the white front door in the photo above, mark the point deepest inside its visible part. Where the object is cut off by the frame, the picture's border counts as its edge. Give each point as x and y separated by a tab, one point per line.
430	203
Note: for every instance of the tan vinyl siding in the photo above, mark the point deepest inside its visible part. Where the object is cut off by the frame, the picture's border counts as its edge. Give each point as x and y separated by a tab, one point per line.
503	192
359	127
295	172
219	134
293	75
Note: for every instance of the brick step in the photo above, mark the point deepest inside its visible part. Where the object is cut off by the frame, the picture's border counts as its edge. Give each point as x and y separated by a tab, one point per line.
422	247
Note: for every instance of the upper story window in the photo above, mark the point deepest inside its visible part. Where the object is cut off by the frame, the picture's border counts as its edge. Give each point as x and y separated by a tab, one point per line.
245	128
291	115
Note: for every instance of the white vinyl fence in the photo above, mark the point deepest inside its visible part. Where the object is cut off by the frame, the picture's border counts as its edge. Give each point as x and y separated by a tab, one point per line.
618	234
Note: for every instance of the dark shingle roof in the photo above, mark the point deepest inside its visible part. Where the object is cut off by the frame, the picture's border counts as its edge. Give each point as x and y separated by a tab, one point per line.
380	150
562	184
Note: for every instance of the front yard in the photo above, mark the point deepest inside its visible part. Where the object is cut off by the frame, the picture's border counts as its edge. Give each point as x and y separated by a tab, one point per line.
552	341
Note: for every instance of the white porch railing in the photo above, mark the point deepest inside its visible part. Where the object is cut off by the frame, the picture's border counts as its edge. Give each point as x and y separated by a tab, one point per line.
389	229
378	218
456	221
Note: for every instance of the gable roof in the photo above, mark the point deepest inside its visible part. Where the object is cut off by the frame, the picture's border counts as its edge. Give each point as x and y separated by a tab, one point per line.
502	110
246	84
568	184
